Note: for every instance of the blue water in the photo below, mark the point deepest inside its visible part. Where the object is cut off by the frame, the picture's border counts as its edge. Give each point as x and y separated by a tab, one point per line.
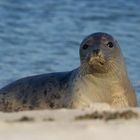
40	36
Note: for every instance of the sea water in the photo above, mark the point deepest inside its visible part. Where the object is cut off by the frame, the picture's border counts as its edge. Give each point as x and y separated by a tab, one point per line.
42	36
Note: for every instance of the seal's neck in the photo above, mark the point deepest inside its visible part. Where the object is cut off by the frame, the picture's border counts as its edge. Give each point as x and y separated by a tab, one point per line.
117	72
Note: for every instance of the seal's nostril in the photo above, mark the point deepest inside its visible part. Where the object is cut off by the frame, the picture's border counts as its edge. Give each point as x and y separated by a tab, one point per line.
96	51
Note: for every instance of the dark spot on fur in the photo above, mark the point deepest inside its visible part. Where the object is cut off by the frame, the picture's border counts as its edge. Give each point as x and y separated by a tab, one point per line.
20	83
24	101
45	92
22	90
35	101
64	106
43	84
65	79
5	105
56	96
31	107
28	87
34	91
22	97
66	85
51	105
49	88
4	93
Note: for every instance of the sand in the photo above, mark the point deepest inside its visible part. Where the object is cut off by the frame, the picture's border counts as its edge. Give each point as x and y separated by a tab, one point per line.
100	122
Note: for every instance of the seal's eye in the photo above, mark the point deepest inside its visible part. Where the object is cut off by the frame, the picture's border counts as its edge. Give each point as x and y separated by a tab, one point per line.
109	44
85	46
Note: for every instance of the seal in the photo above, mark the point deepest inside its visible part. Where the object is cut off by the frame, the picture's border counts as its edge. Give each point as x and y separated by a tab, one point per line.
101	77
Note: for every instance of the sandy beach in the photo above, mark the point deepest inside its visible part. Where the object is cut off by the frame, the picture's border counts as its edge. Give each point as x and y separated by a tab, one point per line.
100	122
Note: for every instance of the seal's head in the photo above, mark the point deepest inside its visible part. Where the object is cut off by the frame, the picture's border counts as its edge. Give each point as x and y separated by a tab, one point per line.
100	53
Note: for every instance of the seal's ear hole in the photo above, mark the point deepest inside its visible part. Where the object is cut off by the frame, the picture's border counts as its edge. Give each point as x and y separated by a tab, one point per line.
110	45
85	46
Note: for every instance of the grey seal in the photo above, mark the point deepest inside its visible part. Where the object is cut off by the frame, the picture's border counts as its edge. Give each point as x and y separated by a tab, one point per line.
101	77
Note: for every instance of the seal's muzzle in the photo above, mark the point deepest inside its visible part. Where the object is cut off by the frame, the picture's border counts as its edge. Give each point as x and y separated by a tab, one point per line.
96	57
96	51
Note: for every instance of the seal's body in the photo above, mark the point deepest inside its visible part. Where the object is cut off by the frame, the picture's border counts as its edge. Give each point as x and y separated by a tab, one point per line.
101	77
37	92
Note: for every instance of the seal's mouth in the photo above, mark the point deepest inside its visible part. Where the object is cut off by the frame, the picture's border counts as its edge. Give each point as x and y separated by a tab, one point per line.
95	59
97	63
